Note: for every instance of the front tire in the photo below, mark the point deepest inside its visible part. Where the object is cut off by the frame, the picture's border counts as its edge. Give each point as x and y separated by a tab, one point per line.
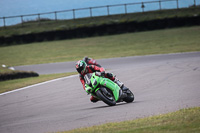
108	99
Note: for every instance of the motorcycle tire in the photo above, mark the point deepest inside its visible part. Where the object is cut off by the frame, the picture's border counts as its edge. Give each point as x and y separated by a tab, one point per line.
105	98
130	97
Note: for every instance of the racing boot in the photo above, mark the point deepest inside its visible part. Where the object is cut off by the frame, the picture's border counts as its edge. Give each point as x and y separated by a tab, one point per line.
119	83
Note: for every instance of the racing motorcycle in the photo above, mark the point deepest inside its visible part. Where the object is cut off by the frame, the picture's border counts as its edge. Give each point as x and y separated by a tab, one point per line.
106	90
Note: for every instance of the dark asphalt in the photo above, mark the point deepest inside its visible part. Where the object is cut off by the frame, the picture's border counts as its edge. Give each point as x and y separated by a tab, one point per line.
161	84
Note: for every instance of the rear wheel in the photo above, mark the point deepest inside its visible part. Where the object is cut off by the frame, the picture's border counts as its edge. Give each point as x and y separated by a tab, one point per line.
106	97
130	96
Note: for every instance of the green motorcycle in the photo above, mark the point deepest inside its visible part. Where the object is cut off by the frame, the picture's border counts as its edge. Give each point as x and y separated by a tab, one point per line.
106	90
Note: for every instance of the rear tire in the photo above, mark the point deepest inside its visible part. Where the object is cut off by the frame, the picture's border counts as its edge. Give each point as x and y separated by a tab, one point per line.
110	100
130	96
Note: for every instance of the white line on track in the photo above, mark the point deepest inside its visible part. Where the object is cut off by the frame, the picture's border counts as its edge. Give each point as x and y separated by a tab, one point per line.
20	89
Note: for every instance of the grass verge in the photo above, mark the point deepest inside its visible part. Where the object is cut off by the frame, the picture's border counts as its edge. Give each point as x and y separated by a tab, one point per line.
19	83
182	121
142	43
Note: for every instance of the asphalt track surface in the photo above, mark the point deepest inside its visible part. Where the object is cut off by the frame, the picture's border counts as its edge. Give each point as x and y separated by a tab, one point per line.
161	84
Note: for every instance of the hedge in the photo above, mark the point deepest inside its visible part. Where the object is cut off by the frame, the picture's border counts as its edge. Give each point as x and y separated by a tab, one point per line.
104	29
17	75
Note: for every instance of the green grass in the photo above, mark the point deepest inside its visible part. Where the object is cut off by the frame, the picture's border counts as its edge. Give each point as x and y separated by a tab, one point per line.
19	83
182	121
5	70
35	27
142	43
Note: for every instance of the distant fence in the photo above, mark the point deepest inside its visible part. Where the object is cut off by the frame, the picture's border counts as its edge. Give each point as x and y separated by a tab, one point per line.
97	11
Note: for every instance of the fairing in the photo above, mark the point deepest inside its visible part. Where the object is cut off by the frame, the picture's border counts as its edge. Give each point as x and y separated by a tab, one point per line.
95	81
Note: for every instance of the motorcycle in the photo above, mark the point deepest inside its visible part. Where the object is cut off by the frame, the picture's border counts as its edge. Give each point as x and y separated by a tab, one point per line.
106	90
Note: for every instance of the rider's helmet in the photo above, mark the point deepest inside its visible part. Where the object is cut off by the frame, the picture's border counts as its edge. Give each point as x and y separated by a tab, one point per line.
81	66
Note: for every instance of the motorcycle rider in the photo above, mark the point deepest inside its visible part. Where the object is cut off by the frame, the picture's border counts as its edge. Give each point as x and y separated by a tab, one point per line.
83	69
90	61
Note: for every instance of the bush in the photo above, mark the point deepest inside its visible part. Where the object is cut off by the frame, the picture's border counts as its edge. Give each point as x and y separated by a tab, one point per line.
17	75
104	29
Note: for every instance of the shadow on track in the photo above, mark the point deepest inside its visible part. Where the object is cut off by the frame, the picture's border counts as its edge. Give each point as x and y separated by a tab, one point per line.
117	105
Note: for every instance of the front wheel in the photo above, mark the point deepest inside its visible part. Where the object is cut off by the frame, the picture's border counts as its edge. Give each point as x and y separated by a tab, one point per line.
106	97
